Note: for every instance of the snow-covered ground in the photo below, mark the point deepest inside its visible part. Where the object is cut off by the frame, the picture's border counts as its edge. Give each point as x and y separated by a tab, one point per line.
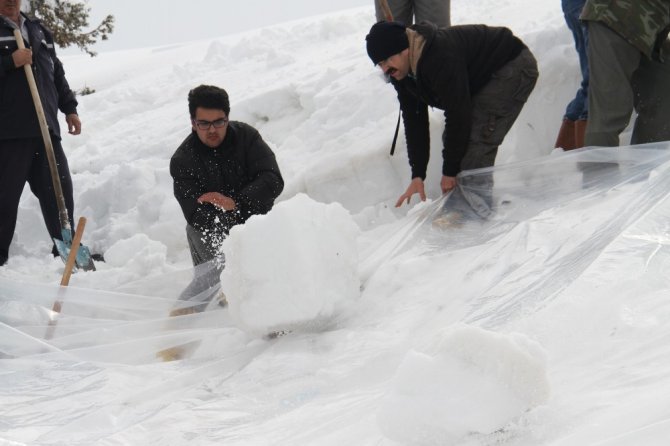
545	323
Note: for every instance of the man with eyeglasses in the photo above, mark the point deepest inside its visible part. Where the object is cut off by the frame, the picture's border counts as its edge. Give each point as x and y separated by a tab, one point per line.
223	173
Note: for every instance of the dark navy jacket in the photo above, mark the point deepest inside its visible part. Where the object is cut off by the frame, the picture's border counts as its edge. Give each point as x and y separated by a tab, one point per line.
18	118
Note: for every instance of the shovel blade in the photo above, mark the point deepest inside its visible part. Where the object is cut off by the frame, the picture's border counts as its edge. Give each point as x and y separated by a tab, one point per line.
83	260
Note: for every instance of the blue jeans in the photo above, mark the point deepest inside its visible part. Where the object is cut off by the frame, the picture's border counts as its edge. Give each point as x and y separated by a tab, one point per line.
578	108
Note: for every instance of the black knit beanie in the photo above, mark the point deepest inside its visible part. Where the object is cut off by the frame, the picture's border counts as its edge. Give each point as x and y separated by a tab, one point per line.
386	39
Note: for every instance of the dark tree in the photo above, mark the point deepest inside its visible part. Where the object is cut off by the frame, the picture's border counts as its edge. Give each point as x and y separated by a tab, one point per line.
69	22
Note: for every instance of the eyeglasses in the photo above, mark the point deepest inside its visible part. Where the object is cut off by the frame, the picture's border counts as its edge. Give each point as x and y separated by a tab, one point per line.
205	125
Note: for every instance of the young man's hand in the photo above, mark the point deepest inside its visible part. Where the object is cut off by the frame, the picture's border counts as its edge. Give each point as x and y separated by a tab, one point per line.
415	187
218	200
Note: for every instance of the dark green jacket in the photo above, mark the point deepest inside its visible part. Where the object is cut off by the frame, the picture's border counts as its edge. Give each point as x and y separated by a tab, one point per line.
643	23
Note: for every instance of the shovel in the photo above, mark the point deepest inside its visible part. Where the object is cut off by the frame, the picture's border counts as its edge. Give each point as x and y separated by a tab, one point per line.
83	258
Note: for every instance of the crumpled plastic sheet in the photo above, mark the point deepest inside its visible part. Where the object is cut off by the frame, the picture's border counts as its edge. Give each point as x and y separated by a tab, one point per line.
95	373
588	196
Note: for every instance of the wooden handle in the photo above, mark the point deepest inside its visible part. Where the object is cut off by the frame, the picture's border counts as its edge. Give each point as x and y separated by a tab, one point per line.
41	117
72	257
384	5
69	265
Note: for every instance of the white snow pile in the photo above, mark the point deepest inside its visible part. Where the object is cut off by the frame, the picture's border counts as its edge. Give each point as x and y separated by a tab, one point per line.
475	382
294	268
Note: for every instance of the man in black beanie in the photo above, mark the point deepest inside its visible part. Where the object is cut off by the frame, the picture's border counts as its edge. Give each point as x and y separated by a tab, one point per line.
480	76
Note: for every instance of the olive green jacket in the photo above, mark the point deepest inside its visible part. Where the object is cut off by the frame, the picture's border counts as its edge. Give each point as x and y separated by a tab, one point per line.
643	23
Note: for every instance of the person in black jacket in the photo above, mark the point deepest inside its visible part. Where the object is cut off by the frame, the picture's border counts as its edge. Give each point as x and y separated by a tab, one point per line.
22	152
480	76
223	174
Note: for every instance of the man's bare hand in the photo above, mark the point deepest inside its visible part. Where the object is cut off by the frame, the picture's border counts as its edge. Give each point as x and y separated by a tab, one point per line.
218	200
22	56
447	183
73	124
415	187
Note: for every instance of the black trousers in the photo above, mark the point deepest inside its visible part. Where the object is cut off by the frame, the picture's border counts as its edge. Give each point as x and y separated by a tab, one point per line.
24	161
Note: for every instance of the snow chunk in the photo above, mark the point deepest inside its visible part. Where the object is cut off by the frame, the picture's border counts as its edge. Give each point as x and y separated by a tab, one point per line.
294	268
138	253
474	382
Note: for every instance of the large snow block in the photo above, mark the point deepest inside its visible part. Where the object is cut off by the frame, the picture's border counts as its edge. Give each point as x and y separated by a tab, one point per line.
295	268
474	382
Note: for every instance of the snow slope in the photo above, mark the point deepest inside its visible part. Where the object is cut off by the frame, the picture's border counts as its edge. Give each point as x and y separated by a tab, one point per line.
545	323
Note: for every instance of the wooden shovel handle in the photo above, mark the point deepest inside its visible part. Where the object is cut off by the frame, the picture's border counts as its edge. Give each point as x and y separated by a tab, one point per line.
69	265
384	5
72	257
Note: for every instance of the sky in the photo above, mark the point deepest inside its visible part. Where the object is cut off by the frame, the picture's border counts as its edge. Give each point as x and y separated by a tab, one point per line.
348	321
142	24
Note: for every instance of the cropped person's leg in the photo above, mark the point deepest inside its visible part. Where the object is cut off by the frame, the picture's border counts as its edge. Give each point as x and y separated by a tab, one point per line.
16	158
651	84
402	11
435	11
612	62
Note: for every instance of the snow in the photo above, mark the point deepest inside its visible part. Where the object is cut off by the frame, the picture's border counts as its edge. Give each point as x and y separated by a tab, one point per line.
476	382
545	323
269	294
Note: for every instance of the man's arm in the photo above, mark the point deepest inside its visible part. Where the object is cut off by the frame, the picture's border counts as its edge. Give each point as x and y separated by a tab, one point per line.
453	89
267	183
67	101
417	132
201	214
417	137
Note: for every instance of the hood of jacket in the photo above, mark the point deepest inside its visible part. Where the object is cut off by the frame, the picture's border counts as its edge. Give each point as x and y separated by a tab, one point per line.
420	37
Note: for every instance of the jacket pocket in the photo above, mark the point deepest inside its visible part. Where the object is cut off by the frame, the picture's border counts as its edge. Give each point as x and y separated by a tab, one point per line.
527	79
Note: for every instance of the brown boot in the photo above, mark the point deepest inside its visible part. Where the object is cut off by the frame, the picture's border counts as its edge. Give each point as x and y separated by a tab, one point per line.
580	130
566	135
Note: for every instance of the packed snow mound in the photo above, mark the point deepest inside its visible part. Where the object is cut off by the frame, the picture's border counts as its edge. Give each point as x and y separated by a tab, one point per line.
294	268
475	382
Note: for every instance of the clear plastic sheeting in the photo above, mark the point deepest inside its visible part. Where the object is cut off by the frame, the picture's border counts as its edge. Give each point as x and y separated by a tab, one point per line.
495	202
95	323
499	251
567	207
